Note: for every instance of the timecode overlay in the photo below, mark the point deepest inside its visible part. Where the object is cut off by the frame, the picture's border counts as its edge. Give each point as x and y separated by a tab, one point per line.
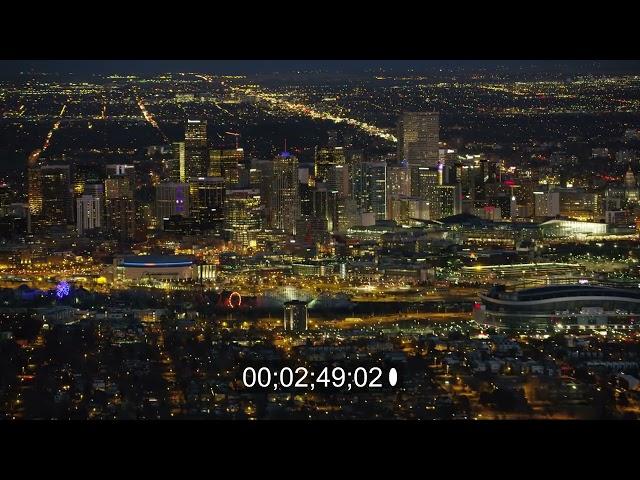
327	377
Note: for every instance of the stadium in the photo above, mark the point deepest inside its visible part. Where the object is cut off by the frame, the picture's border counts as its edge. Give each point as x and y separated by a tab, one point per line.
575	306
157	267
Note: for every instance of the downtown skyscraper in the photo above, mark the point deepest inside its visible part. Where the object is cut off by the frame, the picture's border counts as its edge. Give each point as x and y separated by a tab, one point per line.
418	137
119	201
195	149
286	197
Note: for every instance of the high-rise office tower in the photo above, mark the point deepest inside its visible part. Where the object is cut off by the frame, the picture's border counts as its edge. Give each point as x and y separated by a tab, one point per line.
369	187
375	185
34	181
243	219
295	316
323	204
444	201
56	195
195	145
95	188
226	163
546	203
339	180
306	197
177	170
580	205
125	171
424	180
121	169
83	173
398	180
255	177
347	214
264	176
286	198
332	138
406	209
171	199
89	213
119	206
311	230
397	185
447	157
207	202
325	161
418	136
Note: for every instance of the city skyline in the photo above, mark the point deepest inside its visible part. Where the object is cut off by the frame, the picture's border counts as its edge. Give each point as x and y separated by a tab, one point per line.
378	246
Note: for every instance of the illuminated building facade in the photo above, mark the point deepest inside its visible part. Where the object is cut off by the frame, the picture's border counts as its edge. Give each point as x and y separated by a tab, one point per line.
34	180
119	207
397	185
323	204
418	137
264	177
339	181
226	163
149	268
171	199
406	209
88	213
580	205
375	186
546	203
569	228
177	170
286	198
325	162
424	181
57	206
122	170
207	202
443	201
546	308
369	187
347	214
243	219
311	231
295	316
195	145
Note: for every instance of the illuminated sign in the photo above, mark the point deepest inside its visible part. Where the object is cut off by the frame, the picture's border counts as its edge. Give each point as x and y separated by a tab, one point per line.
62	290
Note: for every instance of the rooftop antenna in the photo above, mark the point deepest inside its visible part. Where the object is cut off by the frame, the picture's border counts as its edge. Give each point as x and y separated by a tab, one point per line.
285	144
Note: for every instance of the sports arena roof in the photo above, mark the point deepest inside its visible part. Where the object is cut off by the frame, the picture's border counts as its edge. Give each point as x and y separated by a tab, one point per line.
160	261
564	291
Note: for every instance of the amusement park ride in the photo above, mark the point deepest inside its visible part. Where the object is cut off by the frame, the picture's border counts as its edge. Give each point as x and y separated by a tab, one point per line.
229	300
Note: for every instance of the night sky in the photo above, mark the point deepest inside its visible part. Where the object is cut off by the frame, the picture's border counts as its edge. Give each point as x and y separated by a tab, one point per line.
12	67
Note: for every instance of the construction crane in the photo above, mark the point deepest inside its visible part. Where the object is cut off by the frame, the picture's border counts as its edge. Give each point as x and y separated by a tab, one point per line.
237	135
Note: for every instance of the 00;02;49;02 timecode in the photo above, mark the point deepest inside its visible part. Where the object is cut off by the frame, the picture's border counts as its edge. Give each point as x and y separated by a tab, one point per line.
327	378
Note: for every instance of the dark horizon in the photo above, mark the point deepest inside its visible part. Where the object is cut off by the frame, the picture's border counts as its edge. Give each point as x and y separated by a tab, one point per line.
251	67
